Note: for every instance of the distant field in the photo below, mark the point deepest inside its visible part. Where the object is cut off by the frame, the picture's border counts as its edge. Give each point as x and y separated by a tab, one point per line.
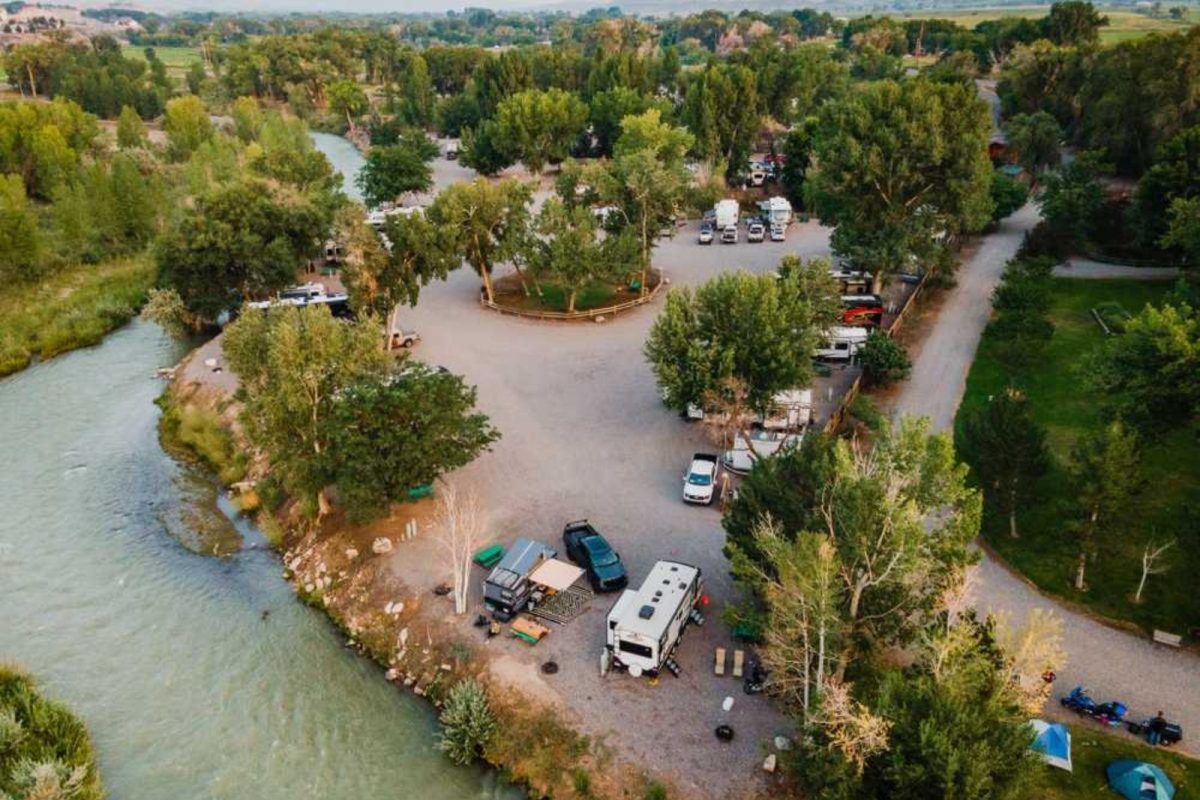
1122	25
177	59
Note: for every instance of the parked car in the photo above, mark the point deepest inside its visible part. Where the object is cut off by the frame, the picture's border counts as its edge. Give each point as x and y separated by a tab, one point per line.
778	233
587	548
706	233
699	482
755	233
729	234
403	338
451	153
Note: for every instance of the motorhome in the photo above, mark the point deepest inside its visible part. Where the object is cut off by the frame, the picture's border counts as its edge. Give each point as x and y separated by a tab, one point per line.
762	443
725	213
777	211
841	344
308	294
644	626
507	588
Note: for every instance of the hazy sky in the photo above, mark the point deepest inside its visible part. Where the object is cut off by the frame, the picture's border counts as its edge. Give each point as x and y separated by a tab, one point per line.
418	6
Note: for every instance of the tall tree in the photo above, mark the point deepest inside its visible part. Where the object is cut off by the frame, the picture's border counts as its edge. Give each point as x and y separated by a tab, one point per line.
396	170
130	130
347	99
901	163
1007	450
1107	473
187	126
570	251
20	240
1035	141
1073	22
536	127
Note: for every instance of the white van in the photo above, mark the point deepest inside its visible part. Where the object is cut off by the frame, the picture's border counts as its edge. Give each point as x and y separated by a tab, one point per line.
643	627
841	344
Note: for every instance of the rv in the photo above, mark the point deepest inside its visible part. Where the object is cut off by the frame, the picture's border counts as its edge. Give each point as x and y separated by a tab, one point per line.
506	590
644	626
726	213
777	211
842	344
309	294
852	281
790	410
761	444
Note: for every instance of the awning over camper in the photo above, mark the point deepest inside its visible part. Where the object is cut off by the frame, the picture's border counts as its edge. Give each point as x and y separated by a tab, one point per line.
555	574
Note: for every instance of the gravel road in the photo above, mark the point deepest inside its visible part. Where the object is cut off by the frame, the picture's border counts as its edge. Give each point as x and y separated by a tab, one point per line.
1114	664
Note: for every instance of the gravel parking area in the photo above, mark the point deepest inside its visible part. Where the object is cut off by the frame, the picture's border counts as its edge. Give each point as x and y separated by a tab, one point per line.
585	435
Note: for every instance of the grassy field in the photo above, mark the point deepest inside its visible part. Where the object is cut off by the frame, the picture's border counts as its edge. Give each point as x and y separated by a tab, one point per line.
177	59
1122	25
74	308
1092	751
1046	551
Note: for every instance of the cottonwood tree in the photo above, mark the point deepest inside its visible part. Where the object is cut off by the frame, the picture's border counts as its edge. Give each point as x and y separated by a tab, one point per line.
394	170
386	437
1030	650
1035	141
537	128
131	132
458	530
884	360
901	163
293	364
1152	564
489	222
20	237
1107	473
187	126
1183	228
347	99
1007	450
570	251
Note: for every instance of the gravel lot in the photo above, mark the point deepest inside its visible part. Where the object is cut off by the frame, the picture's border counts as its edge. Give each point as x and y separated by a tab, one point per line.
585	435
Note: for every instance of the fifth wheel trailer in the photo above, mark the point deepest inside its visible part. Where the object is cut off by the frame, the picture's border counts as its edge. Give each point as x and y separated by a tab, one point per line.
644	626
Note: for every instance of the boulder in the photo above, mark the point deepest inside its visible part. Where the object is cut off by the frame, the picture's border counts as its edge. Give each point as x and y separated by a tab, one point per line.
351	554
381	545
783	743
769	763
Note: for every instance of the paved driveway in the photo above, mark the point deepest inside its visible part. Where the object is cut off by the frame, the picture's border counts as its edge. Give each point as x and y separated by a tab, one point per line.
1112	663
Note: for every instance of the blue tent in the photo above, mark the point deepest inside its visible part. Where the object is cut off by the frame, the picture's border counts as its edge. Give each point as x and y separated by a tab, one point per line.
1137	780
1052	742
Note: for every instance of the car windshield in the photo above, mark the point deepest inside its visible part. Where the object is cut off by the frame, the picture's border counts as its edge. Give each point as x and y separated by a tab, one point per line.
602	555
700	479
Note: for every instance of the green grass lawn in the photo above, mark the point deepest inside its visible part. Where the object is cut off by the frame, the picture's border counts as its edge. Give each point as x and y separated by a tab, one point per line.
1046	551
73	308
1092	751
176	59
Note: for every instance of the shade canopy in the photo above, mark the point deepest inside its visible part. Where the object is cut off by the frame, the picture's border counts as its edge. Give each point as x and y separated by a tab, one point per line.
1052	742
555	574
1138	780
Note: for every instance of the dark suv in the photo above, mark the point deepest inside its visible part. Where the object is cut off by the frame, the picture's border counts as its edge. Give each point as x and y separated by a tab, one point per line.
587	548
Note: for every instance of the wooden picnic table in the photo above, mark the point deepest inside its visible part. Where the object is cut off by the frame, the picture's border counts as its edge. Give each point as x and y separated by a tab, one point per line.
527	630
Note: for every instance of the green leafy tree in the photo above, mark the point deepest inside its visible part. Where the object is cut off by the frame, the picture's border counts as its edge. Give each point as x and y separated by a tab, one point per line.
1073	23
537	127
900	163
1106	469
488	220
1034	140
1183	228
20	239
130	130
884	360
1174	175
385	439
237	243
398	169
1008	196
570	252
468	724
483	150
1007	450
723	111
293	365
187	126
247	119
1072	199
606	110
753	328
1149	376
347	99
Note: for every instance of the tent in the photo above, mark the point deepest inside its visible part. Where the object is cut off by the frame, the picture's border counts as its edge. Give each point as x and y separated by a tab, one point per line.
1052	742
1137	780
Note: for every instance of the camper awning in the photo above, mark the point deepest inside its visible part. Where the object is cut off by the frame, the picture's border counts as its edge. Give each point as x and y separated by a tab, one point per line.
555	574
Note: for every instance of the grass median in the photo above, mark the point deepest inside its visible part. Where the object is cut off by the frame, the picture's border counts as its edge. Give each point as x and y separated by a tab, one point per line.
1067	407
75	307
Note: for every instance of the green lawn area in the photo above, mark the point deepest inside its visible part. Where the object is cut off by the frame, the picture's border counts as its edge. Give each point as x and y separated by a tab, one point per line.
73	308
1046	551
1091	753
177	59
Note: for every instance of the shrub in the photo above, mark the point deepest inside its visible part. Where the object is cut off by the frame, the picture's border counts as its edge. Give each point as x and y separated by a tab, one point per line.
467	722
884	360
1045	240
656	791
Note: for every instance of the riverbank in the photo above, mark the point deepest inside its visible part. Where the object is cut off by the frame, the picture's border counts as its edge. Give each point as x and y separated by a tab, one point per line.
73	308
47	751
408	630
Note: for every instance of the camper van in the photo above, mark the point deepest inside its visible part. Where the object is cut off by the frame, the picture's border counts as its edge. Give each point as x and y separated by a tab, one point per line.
644	626
842	344
776	211
506	590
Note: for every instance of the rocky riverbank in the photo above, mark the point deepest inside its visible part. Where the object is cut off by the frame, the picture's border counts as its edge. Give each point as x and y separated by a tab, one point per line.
349	572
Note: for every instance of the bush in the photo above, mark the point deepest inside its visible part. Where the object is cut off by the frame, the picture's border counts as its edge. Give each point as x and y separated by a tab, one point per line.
467	722
1045	240
1008	195
884	360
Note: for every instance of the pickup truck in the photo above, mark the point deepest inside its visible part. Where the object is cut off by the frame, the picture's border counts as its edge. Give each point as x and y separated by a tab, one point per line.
729	234
700	481
587	548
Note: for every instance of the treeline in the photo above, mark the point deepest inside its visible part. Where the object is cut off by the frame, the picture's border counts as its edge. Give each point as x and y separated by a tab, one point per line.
95	75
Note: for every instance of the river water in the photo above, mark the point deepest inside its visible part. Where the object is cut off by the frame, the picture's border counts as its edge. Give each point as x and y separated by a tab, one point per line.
200	677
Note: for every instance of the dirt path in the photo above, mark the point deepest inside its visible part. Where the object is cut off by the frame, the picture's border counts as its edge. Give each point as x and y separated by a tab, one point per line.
1114	664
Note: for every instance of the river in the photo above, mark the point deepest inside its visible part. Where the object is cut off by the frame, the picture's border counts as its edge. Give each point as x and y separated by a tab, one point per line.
344	157
200	677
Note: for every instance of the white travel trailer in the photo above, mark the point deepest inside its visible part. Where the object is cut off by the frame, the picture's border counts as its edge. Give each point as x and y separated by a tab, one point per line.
791	410
726	213
777	210
644	626
761	444
842	344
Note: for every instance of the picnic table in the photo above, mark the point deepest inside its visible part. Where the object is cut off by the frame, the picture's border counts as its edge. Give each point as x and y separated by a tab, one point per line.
529	631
